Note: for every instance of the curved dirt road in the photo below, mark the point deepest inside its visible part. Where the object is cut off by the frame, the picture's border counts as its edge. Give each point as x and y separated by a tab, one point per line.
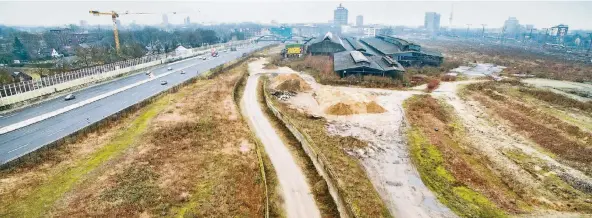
298	199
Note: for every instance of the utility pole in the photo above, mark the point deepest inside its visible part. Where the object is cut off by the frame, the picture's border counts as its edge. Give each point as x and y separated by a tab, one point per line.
502	35
589	45
483	31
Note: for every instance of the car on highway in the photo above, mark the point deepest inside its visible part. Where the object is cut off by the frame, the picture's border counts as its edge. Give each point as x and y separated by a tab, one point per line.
170	68
204	57
147	72
69	97
164	82
182	72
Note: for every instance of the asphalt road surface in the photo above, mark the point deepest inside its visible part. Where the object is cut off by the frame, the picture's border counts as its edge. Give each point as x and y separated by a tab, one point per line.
24	140
298	199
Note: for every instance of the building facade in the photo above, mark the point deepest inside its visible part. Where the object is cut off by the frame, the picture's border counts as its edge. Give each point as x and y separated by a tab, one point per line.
165	19
340	16
432	21
359	21
512	26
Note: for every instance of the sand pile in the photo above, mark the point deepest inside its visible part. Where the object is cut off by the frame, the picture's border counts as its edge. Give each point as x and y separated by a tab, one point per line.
290	82
342	108
347	101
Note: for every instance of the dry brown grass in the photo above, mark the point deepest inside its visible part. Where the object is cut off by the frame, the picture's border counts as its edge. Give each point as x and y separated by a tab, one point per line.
569	142
435	124
433	84
203	164
517	59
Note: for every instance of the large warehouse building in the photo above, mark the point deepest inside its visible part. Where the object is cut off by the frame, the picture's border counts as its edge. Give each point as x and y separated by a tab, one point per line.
356	63
325	45
405	52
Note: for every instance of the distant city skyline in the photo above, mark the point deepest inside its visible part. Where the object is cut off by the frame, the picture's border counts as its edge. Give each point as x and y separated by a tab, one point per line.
493	14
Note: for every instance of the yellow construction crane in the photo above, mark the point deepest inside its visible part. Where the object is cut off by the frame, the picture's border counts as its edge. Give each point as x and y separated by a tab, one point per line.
114	15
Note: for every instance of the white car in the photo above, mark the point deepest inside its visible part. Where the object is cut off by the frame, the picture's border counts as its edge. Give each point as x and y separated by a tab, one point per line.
164	82
170	68
182	72
204	57
69	97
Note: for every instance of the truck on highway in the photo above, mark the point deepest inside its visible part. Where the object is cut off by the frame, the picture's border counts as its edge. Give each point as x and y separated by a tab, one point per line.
232	48
214	52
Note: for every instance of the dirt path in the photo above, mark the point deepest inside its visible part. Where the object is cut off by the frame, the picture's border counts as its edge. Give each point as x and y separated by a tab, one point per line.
491	139
386	159
298	199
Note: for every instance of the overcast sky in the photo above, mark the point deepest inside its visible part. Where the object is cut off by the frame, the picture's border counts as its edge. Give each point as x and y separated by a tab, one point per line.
578	15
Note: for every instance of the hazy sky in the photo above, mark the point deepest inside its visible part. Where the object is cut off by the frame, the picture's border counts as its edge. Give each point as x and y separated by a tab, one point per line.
578	15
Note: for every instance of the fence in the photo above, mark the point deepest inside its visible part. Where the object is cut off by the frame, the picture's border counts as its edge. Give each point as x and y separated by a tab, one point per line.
47	85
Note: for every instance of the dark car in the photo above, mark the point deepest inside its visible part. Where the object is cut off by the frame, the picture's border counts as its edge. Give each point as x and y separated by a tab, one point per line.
69	97
164	82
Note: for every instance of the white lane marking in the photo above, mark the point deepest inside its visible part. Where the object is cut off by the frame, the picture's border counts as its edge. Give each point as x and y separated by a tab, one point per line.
36	119
19	147
39	118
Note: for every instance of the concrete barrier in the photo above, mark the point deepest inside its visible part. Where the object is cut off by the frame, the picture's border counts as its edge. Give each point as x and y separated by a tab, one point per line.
319	160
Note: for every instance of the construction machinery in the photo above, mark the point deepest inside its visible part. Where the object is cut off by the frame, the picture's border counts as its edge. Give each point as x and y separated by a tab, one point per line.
114	15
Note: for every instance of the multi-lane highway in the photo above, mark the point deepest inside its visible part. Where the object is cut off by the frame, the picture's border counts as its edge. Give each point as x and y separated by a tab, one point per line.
23	140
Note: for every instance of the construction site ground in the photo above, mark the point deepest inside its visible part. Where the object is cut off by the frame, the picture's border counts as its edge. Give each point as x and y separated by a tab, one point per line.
496	166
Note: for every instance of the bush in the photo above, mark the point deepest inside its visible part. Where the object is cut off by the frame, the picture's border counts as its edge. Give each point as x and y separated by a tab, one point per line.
433	84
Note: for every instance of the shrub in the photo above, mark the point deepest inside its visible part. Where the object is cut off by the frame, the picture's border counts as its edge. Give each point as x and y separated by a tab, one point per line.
433	84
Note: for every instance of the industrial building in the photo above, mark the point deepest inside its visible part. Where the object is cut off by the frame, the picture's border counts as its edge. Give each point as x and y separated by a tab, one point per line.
405	52
347	63
325	45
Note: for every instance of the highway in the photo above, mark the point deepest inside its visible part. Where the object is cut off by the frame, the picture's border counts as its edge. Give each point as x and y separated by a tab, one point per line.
16	143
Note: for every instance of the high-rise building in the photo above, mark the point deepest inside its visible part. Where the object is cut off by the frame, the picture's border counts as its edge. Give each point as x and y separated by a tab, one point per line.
118	23
512	25
165	19
432	21
360	20
340	16
187	20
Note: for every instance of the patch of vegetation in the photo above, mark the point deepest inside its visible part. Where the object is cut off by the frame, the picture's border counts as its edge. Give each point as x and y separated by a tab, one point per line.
571	199
45	195
567	141
135	187
533	61
352	181
460	178
557	99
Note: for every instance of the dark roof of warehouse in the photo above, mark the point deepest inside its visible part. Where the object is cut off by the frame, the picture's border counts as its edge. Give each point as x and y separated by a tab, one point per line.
353	59
389	48
381	45
329	36
403	42
354	44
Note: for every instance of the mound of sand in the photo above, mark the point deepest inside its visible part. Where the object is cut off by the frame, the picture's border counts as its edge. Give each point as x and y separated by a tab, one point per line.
290	82
355	108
